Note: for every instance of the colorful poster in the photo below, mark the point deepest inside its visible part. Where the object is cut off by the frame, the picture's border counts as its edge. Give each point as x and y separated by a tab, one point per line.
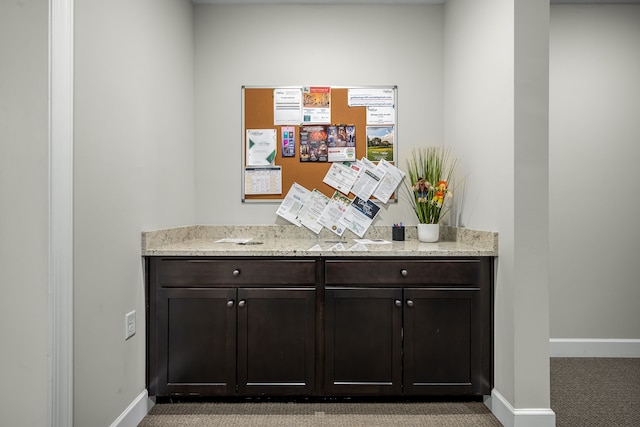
313	144
316	105
288	141
342	143
380	143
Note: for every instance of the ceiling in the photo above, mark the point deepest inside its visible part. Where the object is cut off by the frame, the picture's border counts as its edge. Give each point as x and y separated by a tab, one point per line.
319	1
230	2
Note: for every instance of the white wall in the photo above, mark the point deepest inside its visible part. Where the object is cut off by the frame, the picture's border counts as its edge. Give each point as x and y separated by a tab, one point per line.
134	161
277	45
133	171
594	173
496	110
23	212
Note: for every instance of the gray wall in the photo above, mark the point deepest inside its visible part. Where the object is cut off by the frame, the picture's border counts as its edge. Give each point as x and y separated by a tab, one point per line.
133	171
594	173
496	112
23	212
407	46
146	159
363	45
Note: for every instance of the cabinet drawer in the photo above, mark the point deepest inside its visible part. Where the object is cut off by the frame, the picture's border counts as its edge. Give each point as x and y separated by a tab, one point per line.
403	272
228	272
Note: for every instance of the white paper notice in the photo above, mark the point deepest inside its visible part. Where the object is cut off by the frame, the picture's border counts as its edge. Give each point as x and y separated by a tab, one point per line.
234	240
263	180
287	106
261	147
372	242
372	97
367	181
360	216
333	213
293	202
381	116
311	211
390	181
341	176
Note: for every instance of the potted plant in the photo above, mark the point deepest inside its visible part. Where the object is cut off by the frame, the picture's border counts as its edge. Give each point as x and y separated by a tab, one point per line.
430	171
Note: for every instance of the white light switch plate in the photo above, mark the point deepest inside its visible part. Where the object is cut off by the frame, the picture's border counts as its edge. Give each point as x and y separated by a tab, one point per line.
130	325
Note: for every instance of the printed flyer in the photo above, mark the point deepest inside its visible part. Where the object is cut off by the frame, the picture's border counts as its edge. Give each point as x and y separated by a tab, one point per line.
333	213
293	202
261	147
313	144
311	211
360	215
341	140
316	105
380	143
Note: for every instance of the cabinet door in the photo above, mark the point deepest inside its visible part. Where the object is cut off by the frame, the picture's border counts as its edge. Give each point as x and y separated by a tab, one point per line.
363	341
196	343
276	341
441	341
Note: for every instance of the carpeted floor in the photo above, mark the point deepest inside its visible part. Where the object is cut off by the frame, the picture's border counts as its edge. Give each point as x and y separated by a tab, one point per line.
272	414
584	392
595	391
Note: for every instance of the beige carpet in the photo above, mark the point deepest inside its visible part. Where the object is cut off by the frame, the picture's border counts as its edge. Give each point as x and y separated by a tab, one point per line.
458	414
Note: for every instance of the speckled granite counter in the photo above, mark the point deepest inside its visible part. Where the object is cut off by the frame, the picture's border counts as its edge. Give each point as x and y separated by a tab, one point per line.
289	240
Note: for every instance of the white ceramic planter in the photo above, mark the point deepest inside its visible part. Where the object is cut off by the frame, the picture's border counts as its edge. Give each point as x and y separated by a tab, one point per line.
428	232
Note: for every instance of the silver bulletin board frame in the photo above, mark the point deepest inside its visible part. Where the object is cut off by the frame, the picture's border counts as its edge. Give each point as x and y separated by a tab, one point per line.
262	113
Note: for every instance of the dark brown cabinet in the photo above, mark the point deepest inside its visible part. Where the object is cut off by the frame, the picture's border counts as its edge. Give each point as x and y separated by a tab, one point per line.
363	341
276	341
442	352
195	347
212	338
408	327
326	326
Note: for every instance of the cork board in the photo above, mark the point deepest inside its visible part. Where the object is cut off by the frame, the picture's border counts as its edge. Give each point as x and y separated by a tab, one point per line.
258	113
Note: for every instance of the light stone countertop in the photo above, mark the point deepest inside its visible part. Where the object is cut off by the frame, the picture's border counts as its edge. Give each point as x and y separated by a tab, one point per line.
292	241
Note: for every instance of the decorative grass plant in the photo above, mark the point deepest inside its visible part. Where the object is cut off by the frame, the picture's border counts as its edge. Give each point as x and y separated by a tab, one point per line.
430	170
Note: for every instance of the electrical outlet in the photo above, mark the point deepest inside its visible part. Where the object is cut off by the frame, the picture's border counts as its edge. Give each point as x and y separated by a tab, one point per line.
130	325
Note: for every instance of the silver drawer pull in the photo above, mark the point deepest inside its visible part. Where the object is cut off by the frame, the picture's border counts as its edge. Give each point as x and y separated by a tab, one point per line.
398	303
230	303
404	273
242	303
236	272
409	303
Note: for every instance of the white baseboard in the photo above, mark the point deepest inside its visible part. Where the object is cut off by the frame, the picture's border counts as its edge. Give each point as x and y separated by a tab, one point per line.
135	412
512	417
594	347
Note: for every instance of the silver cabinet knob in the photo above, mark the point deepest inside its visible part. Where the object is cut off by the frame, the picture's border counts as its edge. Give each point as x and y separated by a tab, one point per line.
398	303
410	303
242	303
404	273
230	303
236	272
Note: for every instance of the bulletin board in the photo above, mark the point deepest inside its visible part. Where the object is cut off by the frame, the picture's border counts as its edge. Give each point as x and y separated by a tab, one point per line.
258	113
